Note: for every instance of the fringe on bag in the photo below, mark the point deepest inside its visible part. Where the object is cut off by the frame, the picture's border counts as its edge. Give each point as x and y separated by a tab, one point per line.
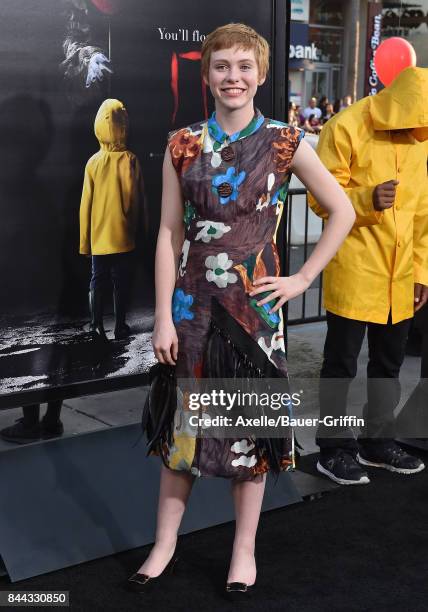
231	353
158	414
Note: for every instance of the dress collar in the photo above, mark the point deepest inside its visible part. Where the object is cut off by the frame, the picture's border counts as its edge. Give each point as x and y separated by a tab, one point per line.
220	137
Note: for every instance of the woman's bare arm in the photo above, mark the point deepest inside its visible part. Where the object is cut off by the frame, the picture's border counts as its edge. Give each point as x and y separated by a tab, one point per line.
318	180
168	249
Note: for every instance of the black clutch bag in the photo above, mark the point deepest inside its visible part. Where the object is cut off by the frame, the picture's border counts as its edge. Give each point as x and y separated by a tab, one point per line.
159	409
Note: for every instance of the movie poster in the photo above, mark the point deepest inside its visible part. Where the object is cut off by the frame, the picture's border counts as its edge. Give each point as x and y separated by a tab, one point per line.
60	60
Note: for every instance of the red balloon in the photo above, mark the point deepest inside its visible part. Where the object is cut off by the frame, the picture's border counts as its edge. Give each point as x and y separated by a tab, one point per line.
108	7
391	57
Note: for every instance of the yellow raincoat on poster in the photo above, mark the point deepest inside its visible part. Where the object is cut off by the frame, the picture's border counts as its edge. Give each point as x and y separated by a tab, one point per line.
112	188
386	252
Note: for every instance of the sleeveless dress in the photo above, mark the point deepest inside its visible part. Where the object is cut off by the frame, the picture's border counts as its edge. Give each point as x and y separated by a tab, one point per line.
234	188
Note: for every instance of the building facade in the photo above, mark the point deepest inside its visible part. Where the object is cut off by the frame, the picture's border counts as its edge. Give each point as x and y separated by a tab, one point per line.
328	48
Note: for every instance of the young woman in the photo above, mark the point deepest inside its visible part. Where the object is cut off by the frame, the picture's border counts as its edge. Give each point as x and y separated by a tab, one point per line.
228	177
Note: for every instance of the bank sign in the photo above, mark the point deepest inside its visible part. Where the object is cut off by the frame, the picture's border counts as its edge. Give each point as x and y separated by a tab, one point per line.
300	47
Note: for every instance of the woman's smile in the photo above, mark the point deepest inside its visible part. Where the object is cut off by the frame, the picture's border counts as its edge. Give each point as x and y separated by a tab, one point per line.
233	91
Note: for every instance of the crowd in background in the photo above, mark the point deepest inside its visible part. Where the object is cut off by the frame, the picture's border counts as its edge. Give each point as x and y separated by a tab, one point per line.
316	114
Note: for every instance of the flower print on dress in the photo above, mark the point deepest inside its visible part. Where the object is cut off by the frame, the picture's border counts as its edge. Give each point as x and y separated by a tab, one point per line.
276	344
181	453
183	258
181	304
211	229
184	146
189	213
264	200
230	178
285	147
244	446
248	462
251	269
272	316
208	147
274	123
280	197
218	270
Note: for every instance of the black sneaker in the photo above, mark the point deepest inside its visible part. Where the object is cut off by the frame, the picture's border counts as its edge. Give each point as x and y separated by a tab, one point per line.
390	456
341	467
51	430
21	432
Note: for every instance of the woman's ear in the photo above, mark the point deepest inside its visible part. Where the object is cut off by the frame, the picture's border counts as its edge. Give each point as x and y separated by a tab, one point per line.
205	80
262	80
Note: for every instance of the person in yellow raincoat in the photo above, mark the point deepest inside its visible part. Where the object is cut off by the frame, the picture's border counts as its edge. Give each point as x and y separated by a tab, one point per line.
379	276
111	197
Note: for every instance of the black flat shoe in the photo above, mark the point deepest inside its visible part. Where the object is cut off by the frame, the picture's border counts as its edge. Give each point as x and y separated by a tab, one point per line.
141	583
239	591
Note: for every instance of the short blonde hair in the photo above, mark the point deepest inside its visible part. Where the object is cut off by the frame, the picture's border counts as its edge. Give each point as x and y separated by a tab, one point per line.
243	37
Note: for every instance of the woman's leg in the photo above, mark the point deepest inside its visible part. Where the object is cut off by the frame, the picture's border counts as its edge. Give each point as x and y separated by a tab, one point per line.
248	498
174	492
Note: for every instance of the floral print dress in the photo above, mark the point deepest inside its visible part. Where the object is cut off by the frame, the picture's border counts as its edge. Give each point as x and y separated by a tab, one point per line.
234	188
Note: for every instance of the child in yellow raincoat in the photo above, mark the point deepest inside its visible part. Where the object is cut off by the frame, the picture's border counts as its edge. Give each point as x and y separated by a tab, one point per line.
379	276
111	198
